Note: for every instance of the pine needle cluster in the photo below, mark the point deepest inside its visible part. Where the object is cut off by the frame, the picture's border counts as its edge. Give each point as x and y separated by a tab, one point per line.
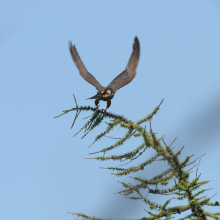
177	172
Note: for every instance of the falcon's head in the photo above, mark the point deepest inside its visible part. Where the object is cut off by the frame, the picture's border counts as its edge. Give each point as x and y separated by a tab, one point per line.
107	93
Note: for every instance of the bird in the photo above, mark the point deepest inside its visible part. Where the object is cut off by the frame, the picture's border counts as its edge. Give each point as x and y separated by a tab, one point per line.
107	93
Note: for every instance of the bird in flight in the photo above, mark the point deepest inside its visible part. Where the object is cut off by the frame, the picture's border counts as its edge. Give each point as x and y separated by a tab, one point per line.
107	93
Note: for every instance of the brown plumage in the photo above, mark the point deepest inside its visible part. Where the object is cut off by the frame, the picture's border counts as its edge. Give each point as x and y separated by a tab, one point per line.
107	93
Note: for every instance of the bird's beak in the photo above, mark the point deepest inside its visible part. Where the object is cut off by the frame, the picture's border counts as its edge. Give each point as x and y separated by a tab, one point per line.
93	97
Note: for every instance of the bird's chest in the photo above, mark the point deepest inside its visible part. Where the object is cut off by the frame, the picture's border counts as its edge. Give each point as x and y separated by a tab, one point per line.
106	98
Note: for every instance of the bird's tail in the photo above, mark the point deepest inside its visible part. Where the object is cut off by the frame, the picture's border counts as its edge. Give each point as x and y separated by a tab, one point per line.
93	97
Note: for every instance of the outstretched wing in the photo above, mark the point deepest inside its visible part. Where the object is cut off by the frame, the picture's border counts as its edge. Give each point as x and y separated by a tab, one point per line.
82	69
130	72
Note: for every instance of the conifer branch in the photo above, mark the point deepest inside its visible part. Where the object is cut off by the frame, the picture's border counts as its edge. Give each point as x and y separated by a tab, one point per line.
176	170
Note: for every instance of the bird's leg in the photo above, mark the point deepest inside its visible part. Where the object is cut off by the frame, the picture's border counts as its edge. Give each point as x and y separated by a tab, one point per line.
108	105
96	103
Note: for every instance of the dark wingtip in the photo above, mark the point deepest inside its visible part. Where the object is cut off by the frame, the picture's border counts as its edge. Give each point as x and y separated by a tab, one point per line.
136	46
93	97
136	41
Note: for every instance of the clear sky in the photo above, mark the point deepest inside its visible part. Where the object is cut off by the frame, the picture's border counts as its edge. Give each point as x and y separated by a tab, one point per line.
43	171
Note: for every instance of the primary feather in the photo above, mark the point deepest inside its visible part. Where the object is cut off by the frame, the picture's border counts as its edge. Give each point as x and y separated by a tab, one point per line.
130	72
82	69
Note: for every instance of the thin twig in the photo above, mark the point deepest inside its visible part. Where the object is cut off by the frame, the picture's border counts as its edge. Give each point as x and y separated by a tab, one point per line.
194	160
89	116
213	196
198	166
112	137
173	141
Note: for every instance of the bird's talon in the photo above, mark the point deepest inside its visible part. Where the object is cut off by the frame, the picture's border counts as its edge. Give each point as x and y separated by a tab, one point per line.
105	112
97	107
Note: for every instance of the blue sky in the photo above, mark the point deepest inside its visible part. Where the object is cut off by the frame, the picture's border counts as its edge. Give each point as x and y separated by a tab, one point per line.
43	171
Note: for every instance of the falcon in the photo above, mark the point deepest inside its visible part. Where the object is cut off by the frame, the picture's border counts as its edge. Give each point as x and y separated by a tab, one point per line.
107	93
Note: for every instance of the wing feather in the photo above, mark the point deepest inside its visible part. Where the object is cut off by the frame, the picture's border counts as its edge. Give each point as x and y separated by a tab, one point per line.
130	72
82	69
